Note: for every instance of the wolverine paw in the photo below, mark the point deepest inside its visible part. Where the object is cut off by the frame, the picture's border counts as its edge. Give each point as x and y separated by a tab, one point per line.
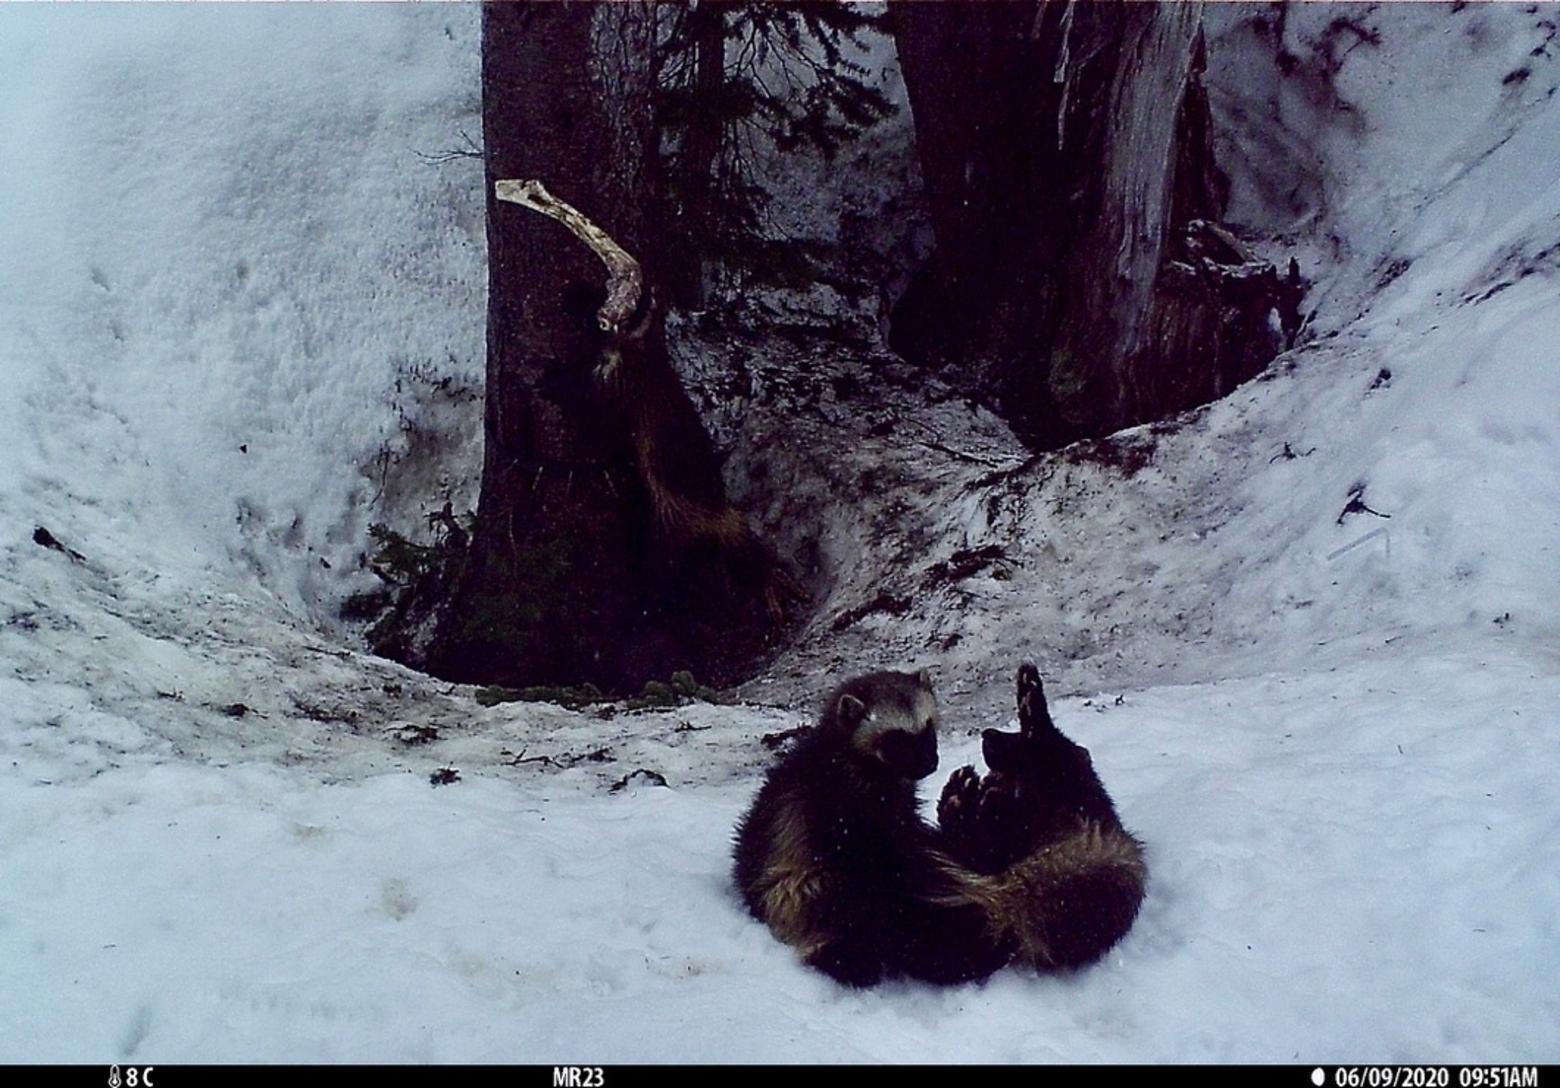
982	819
1034	717
1028	680
848	964
1031	698
960	799
1000	824
1000	806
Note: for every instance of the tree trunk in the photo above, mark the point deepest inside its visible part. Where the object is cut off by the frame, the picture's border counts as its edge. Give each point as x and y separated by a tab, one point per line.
1067	163
1105	371
604	549
695	160
549	590
979	86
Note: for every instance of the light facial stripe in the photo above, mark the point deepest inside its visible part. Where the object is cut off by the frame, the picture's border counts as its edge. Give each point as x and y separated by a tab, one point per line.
893	719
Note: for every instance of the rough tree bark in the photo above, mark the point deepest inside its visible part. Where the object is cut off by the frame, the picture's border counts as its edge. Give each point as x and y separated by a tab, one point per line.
550	586
547	584
604	549
1065	153
695	161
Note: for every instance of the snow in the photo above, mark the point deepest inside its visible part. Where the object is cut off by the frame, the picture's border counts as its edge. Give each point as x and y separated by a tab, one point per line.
202	285
181	912
231	290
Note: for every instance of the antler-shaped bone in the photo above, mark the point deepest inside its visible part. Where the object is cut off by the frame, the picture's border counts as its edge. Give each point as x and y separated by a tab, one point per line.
624	277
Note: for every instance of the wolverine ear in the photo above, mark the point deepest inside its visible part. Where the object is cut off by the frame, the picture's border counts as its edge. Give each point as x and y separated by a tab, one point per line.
925	676
850	710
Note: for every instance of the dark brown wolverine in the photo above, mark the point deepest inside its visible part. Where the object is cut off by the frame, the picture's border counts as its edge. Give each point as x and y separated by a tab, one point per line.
707	548
708	556
1062	876
1031	862
835	858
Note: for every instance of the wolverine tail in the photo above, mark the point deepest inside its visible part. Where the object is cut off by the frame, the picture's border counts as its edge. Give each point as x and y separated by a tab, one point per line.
1072	900
1068	902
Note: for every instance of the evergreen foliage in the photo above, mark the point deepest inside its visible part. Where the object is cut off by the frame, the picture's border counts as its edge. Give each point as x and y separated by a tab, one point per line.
738	82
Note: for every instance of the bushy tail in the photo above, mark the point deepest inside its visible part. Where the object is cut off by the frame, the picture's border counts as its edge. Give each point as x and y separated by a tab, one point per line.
1068	903
1065	904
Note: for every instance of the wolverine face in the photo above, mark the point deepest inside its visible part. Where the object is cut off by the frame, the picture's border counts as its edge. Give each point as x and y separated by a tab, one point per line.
910	755
1005	752
892	718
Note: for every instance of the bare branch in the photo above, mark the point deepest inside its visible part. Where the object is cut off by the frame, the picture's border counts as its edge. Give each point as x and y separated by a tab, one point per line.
624	278
471	150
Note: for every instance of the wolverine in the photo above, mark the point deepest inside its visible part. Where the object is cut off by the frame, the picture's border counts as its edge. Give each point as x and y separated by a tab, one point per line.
706	550
1030	862
1060	875
709	557
834	857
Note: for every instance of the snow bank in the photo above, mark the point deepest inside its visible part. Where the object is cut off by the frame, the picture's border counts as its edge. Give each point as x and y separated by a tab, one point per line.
1347	866
230	276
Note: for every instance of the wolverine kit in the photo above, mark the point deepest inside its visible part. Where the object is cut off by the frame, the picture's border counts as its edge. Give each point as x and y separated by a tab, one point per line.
1028	863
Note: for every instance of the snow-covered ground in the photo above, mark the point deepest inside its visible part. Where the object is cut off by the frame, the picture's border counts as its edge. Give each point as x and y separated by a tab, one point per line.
235	277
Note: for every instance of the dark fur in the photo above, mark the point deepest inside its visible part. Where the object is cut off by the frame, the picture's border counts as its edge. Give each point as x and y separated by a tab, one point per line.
1031	861
834	857
710	555
1064	877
